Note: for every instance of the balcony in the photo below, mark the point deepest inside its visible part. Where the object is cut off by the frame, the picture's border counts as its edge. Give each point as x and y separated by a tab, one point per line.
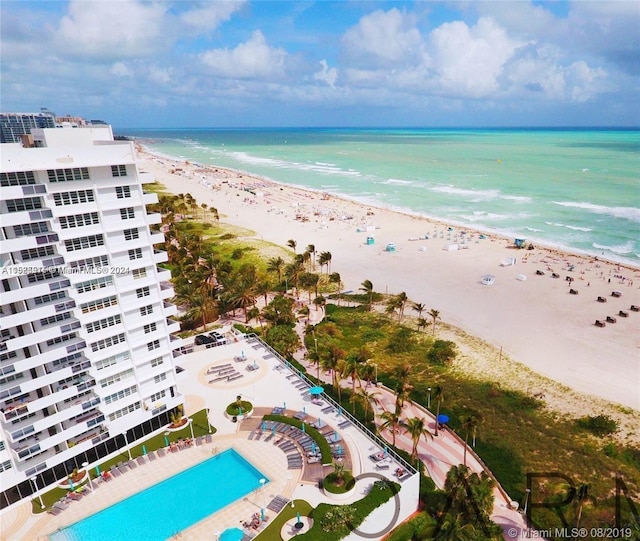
154	218
160	256
173	326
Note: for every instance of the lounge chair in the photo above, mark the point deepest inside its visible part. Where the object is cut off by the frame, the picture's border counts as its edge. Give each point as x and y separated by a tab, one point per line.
75	496
132	465
61	505
377	457
208	438
161	452
140	460
152	456
54	511
115	471
382	466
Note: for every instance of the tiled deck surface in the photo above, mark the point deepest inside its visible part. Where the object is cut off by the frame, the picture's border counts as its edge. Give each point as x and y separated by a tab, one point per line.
266	387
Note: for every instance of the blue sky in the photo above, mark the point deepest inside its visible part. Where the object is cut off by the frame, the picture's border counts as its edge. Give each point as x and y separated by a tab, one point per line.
348	63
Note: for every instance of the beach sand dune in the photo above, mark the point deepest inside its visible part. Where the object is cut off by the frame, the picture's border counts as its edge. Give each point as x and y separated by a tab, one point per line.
533	318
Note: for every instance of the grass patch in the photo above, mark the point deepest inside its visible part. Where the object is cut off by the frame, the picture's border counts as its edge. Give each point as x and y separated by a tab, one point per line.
272	531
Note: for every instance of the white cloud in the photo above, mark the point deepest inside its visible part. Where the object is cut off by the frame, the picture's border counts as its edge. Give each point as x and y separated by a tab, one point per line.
468	60
383	39
120	69
209	15
326	74
254	59
107	29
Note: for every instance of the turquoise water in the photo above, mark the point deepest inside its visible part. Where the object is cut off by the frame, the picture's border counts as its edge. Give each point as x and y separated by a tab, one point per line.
574	189
159	512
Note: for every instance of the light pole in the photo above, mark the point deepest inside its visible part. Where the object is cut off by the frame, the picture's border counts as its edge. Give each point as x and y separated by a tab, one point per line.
290	478
429	398
526	501
317	359
35	482
85	465
191	426
126	444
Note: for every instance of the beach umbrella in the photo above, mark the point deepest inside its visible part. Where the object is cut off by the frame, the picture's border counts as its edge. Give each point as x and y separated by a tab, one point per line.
442	418
313	448
71	487
273	430
285	406
304	409
254	364
316	390
144	449
98	471
239	411
340	449
298	518
339	412
319	422
242	354
166	441
303	428
262	514
263	426
335	436
386	451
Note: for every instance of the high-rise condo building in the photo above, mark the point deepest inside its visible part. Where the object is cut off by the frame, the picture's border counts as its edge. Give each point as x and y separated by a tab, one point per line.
13	125
86	346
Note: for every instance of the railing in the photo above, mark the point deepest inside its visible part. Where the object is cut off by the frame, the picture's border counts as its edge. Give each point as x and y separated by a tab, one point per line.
375	438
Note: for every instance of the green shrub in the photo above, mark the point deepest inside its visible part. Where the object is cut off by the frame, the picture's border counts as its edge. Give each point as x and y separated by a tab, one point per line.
599	425
227	236
234	407
339	484
330	309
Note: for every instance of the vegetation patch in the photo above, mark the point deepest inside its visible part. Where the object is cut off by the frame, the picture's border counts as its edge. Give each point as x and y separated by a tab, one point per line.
599	425
239	407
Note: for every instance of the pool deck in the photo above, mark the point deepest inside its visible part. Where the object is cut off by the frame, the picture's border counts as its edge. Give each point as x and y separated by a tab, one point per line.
266	386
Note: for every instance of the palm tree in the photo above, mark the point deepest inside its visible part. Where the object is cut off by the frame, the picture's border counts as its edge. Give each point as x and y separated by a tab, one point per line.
439	397
369	399
435	315
312	250
350	369
390	420
293	272
582	498
367	288
292	244
331	362
276	264
416	427
419	307
334	278
452	528
325	259
469	425
320	302
403	387
204	207
401	301
422	323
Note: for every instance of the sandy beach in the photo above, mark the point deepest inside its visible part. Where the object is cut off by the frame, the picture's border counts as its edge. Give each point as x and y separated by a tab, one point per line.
533	318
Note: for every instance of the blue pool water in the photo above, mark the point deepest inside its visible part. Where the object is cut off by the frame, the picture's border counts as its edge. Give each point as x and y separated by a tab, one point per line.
173	505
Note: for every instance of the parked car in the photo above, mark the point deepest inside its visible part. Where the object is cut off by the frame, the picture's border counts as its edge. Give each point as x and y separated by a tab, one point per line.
218	338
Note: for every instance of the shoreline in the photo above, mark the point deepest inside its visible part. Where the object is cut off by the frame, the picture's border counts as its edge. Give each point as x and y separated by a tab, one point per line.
534	319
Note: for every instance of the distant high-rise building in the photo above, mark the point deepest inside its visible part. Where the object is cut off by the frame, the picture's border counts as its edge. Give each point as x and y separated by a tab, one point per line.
13	125
86	340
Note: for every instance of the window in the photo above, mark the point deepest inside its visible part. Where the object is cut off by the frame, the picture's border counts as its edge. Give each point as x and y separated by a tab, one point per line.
50	297
54	319
42	276
146	310
79	220
153	345
127	213
119	170
156	362
67	175
123	192
139	273
124	411
157	396
21	178
107	342
28	203
30	229
91	263
82	243
36	253
135	254
5	465
103	323
143	292
114	359
116	378
73	198
97	283
121	394
99	304
150	328
130	234
160	377
61	339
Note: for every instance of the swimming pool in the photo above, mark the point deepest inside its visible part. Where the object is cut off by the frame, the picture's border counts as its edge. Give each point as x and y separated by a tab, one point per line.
162	510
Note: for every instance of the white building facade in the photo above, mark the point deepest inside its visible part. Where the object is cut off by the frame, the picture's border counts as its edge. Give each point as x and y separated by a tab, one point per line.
87	354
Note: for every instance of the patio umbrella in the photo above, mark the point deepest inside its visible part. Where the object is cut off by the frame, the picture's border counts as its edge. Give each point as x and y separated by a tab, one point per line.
262	514
232	534
340	449
166	441
442	418
298	518
144	449
313	448
304	409
285	406
316	390
71	487
97	471
303	428
273	430
386	451
339	412
242	354
263	426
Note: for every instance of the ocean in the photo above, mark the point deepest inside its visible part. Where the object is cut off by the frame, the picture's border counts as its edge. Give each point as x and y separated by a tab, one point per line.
572	189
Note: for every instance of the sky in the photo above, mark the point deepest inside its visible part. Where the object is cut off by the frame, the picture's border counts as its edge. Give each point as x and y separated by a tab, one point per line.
138	64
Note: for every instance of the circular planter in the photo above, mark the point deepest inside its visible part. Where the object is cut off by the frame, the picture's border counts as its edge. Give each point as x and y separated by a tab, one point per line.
341	496
80	479
184	422
239	417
